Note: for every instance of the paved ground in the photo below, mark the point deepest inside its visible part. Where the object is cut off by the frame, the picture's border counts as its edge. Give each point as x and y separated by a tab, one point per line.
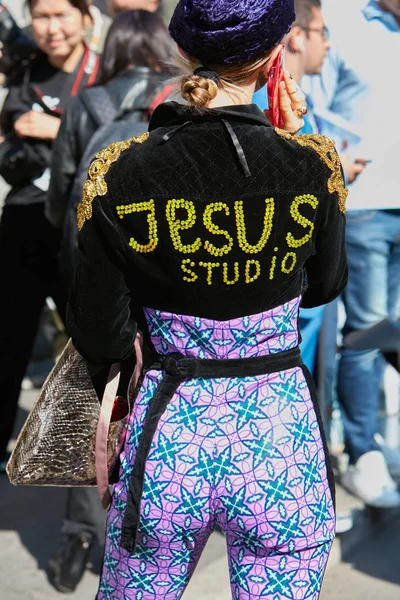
29	532
372	569
30	520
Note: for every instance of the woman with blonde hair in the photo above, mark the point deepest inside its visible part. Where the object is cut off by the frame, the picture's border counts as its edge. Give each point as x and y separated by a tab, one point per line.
207	234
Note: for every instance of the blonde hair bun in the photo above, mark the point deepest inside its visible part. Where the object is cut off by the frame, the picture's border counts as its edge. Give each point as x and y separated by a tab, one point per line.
198	91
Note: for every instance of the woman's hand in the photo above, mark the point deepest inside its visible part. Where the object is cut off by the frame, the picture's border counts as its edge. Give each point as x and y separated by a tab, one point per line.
37	125
292	104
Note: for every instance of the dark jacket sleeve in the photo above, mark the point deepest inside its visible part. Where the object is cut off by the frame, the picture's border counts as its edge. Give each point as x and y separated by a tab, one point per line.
99	318
13	107
326	270
21	159
64	164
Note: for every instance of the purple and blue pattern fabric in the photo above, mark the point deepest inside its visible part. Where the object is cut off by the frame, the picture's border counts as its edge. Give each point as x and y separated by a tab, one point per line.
255	335
242	453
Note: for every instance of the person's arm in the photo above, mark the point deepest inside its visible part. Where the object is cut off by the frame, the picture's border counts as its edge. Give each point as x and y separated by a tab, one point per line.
64	164
17	116
338	88
27	156
22	159
13	106
349	94
99	319
327	270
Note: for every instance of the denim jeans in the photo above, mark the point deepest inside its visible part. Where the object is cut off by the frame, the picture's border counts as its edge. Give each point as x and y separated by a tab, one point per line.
85	515
373	293
310	325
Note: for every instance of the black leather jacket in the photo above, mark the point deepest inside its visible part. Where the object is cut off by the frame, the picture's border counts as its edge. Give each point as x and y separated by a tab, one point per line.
133	88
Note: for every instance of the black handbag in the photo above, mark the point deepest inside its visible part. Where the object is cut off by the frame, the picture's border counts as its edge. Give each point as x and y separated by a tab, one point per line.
23	160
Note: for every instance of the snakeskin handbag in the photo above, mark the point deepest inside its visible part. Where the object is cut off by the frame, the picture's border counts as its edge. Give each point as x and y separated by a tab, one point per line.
69	439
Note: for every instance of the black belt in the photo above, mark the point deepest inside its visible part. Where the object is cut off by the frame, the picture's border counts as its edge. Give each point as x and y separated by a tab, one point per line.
177	368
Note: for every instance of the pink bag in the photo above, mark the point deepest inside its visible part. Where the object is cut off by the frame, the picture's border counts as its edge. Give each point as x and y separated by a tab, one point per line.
109	408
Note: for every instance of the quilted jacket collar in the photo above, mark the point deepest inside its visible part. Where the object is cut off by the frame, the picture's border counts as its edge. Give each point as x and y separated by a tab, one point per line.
171	114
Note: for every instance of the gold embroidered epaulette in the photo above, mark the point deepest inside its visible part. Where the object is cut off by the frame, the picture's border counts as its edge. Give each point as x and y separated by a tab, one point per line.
96	184
325	148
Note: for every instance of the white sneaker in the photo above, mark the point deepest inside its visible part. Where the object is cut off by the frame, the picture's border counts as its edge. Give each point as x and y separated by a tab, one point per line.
27	384
369	479
391	456
344	521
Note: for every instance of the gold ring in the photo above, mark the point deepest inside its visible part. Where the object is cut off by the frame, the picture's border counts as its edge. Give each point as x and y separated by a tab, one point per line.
300	112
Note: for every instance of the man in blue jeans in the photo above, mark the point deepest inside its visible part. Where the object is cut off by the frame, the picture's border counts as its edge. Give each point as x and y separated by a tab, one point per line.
369	42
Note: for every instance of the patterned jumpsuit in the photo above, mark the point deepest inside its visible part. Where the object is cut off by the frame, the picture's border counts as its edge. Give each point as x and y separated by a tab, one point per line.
243	453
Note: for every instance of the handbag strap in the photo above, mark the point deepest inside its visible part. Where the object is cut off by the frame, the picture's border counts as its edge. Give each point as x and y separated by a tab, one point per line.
103	426
161	97
102	434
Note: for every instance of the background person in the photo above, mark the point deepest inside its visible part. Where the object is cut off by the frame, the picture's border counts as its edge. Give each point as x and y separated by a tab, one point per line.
214	279
307	43
306	47
18	47
28	243
133	70
373	226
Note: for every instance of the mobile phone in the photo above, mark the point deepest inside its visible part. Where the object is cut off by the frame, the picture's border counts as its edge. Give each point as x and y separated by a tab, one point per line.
275	76
363	161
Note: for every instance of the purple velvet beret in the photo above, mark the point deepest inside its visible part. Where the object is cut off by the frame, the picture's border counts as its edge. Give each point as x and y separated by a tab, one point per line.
230	31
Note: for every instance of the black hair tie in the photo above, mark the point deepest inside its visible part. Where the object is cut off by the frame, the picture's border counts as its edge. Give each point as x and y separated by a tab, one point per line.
208	74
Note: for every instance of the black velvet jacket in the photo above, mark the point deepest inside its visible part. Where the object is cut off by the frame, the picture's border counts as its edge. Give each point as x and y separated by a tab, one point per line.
215	215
